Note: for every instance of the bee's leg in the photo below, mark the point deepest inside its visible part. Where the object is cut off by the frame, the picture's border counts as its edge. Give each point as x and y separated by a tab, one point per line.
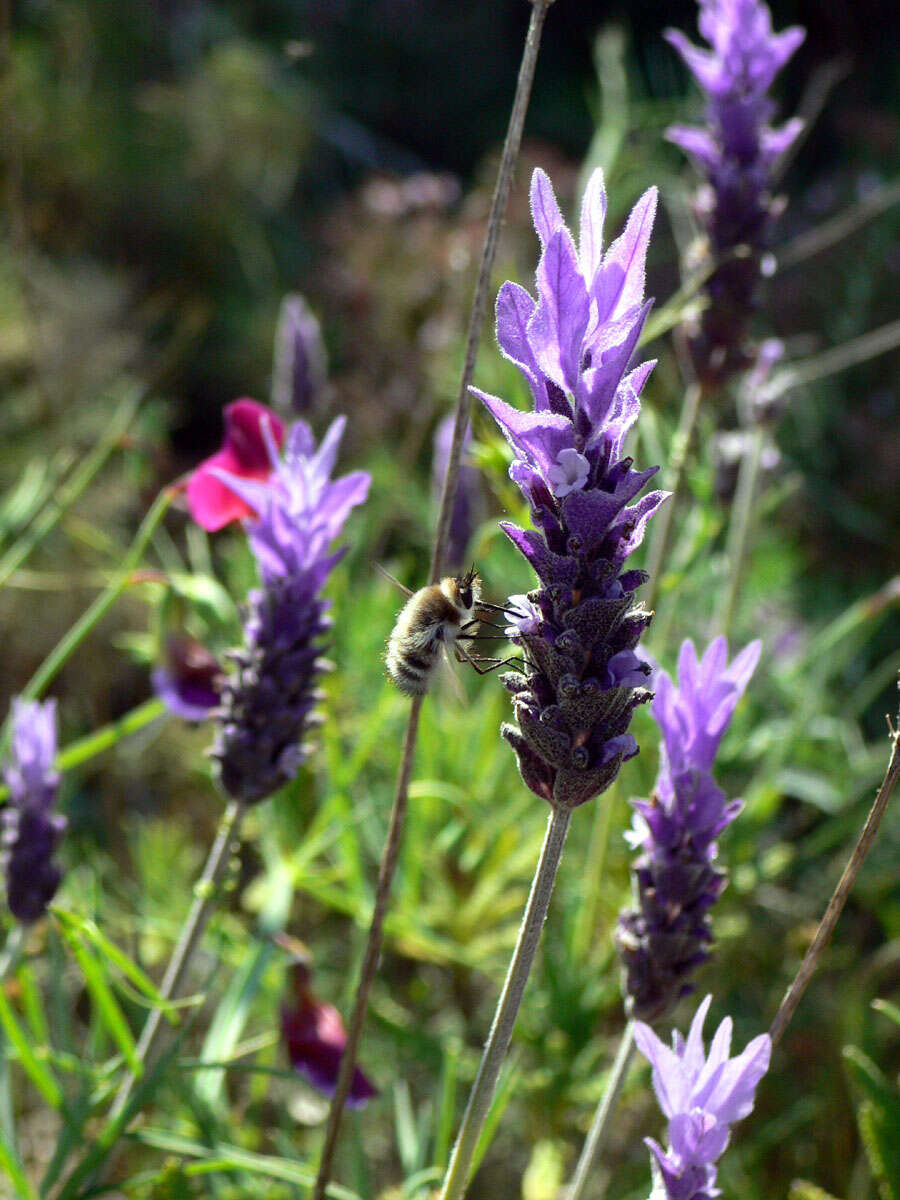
505	610
475	662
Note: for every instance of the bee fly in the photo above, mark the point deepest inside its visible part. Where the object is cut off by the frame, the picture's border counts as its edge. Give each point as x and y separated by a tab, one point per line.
435	619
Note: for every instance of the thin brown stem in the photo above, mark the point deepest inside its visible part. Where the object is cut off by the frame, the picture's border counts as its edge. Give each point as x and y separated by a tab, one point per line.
841	892
373	950
391	850
482	283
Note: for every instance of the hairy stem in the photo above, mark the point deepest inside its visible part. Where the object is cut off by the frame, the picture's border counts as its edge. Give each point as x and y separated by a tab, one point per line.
205	899
678	456
596	1138
841	892
391	850
495	1049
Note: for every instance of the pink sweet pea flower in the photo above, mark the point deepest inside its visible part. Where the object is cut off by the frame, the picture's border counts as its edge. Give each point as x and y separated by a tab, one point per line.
211	503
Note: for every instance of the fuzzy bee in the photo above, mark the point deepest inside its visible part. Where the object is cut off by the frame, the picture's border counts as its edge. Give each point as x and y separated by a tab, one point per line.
434	619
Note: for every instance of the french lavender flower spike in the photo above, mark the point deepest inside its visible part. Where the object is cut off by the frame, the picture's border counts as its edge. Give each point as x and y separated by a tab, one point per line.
578	629
267	702
300	364
737	153
702	1095
668	933
574	344
31	827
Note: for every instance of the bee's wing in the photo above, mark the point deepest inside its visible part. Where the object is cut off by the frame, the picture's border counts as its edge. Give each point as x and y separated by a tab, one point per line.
402	586
454	677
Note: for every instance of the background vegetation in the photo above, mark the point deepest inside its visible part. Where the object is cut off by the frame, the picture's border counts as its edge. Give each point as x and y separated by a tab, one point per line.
171	170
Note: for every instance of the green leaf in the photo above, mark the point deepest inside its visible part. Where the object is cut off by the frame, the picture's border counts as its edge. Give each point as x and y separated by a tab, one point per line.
37	1072
228	1023
105	1002
509	1077
10	1164
90	931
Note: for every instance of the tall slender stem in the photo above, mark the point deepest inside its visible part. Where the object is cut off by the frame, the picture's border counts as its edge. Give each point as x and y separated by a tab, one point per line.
740	527
205	898
596	1138
482	284
841	892
457	1177
391	850
372	952
662	526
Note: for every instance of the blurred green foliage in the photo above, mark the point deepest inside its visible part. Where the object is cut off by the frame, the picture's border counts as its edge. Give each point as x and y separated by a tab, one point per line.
170	172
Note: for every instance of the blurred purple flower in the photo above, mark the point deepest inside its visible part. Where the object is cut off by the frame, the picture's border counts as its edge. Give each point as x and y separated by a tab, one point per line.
702	1096
300	367
736	152
667	935
315	1037
211	503
574	700
267	702
31	829
467	504
189	682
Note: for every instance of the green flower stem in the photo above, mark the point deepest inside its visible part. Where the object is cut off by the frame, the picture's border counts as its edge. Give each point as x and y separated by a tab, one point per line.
678	456
97	610
206	895
457	1177
68	492
740	529
391	851
596	1138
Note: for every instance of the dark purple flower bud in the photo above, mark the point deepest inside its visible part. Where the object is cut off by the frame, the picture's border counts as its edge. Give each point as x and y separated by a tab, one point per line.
468	503
190	680
702	1095
668	934
300	367
736	153
578	630
31	829
267	702
315	1037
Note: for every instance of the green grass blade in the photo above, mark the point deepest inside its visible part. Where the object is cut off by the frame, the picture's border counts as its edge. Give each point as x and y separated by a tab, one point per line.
105	1002
39	1074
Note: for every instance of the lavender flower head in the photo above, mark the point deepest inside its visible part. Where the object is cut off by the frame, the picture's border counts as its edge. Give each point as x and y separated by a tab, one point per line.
667	935
300	366
736	152
702	1095
266	704
31	829
578	631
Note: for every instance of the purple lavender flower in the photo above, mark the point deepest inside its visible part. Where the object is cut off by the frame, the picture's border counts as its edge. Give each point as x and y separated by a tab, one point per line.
267	702
300	367
667	936
702	1096
467	503
736	152
189	682
31	829
574	699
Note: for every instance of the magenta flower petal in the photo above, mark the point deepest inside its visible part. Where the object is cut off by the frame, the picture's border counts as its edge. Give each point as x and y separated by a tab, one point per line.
244	455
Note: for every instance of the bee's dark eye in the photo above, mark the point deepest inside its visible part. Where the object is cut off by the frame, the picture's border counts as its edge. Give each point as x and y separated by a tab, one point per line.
465	597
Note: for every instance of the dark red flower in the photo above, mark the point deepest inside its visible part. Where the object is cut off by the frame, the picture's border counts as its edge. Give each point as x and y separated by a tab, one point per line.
315	1037
244	454
189	682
